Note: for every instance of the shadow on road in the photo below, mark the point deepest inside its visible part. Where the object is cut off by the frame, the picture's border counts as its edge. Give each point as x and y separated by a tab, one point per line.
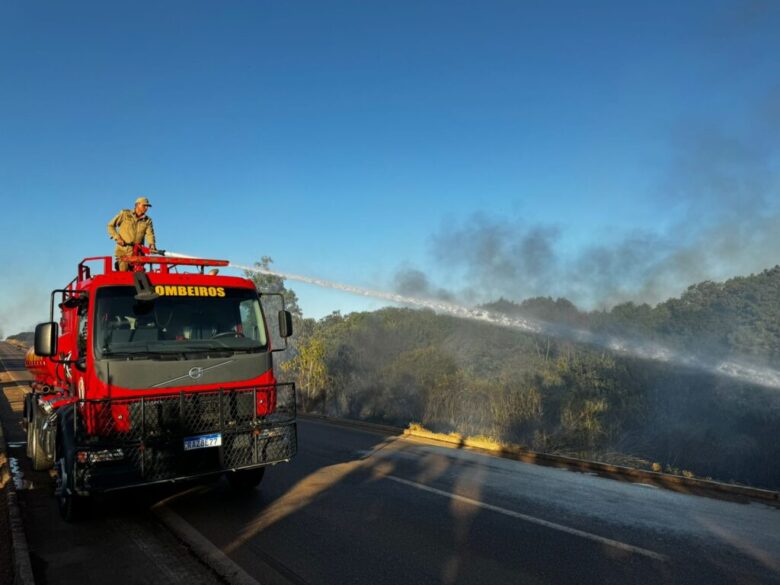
333	516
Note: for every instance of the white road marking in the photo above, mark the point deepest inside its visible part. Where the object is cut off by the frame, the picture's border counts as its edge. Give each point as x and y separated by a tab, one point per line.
533	520
16	473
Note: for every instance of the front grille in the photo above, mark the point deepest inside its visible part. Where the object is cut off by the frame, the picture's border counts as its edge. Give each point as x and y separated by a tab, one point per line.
256	426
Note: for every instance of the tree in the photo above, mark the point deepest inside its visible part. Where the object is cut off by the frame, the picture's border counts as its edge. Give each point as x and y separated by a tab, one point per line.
270	283
309	369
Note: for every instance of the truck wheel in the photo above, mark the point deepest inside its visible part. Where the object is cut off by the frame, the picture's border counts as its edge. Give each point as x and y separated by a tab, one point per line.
40	460
72	507
30	436
245	480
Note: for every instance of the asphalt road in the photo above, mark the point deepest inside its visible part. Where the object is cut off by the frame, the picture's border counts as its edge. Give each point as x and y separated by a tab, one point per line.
356	507
361	507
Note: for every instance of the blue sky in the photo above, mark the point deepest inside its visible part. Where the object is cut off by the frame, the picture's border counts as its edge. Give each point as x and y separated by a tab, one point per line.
354	140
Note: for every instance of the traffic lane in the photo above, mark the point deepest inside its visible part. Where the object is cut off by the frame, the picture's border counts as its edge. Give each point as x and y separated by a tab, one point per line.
683	549
14	379
388	534
633	513
120	543
12	364
342	519
337	444
736	536
320	525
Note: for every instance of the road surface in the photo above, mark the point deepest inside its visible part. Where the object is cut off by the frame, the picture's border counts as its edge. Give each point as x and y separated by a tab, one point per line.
355	507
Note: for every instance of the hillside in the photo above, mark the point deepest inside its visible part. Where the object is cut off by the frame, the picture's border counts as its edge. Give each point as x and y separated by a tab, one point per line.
403	365
24	339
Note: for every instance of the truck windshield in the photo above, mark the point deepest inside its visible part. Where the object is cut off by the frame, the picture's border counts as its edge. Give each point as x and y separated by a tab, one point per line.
226	320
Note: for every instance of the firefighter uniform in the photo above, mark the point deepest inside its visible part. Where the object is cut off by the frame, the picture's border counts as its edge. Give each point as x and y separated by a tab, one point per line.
126	225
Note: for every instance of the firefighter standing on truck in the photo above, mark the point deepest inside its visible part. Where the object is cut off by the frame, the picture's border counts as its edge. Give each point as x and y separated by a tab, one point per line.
131	227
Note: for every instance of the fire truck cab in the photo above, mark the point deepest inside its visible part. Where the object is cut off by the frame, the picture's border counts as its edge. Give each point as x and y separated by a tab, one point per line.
160	374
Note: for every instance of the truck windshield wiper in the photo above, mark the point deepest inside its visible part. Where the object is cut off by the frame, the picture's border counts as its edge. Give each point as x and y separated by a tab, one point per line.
143	355
128	354
210	353
210	350
216	349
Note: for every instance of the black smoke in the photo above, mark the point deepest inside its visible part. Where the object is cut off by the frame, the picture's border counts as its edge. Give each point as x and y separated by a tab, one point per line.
719	202
413	282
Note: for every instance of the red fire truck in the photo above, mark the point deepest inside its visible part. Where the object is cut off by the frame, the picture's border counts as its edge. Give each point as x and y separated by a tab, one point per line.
159	374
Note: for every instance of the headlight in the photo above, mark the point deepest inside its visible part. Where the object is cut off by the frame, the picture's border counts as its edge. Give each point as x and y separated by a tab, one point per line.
106	455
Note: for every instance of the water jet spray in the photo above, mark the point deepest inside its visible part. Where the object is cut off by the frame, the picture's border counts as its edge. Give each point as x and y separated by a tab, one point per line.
737	370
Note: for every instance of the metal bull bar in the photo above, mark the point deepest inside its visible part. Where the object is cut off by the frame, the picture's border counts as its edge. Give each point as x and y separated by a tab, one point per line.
124	442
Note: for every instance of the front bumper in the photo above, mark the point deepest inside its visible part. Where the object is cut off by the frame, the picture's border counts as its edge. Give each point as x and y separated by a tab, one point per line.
128	443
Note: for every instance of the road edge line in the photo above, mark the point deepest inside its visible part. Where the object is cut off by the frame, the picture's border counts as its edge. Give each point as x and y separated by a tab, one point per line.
618	544
20	551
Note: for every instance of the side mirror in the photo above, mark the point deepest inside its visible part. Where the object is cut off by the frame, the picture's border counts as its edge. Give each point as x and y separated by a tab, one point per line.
285	324
46	335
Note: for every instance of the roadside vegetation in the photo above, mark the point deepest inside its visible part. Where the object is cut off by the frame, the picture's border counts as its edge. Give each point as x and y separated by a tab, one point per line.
24	339
399	366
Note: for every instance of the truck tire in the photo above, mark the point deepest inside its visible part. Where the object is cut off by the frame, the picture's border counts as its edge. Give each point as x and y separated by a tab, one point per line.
72	506
41	461
30	436
245	480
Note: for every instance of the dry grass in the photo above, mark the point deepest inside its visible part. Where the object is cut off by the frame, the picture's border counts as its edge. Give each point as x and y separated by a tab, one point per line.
17	343
490	444
477	441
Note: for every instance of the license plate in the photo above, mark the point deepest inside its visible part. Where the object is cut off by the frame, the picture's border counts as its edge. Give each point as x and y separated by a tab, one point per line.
202	441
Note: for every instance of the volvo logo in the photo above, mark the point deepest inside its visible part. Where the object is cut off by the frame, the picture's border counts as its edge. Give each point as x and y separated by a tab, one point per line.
193	373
